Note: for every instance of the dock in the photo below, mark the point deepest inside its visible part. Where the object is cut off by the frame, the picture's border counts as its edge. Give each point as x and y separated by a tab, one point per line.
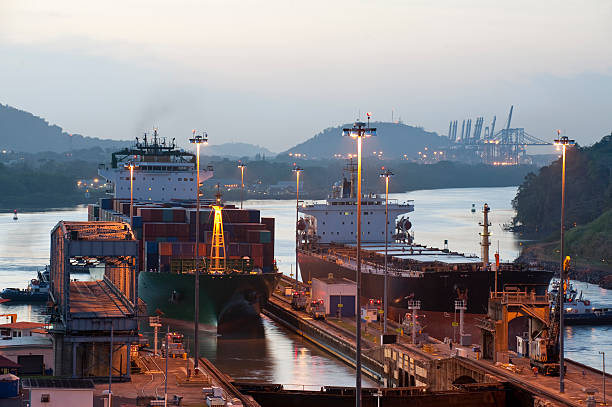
435	365
147	386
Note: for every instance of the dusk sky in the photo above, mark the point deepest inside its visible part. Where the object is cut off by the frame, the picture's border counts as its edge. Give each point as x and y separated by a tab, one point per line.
276	72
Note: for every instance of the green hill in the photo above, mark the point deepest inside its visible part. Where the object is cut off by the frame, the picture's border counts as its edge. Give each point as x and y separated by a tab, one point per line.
22	131
588	191
394	139
593	241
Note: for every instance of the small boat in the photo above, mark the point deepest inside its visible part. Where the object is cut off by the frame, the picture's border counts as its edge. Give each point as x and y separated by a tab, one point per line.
37	291
579	311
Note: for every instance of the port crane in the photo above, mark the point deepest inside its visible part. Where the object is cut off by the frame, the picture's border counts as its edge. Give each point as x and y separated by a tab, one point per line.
505	147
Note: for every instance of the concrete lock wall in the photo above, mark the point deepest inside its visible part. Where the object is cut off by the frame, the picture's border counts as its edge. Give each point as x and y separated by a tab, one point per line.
338	347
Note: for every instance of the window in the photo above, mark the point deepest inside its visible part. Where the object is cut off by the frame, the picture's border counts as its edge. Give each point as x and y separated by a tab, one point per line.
190	179
45	398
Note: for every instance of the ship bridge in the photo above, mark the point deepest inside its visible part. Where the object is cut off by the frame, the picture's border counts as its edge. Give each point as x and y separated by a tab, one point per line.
334	220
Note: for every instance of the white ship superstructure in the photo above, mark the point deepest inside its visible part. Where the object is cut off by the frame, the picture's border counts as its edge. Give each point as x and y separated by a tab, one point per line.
334	220
163	173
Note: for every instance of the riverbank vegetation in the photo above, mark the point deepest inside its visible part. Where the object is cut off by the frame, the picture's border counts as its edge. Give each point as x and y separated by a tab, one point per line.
588	208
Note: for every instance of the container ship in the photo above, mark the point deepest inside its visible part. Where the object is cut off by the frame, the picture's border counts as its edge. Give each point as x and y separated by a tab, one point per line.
234	283
435	277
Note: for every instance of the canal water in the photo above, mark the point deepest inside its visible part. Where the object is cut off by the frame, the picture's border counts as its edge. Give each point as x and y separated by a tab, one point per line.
276	355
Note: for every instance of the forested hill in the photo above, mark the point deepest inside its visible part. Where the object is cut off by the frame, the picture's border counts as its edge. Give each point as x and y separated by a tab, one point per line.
24	132
393	139
588	191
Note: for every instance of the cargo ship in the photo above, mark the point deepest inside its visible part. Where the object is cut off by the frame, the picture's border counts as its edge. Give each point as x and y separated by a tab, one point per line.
435	277
233	285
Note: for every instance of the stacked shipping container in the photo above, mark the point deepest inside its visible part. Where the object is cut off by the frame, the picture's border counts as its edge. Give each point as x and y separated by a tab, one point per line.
167	231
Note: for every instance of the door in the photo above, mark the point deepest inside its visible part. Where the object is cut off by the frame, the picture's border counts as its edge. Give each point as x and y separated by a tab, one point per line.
30	364
348	305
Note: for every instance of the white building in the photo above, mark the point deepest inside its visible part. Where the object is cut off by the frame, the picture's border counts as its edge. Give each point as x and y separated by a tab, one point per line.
58	392
335	291
33	353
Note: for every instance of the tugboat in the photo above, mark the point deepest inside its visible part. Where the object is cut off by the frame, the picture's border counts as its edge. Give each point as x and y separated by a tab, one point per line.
579	311
37	291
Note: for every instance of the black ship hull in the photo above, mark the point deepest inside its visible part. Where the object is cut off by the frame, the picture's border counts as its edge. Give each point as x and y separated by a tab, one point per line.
437	291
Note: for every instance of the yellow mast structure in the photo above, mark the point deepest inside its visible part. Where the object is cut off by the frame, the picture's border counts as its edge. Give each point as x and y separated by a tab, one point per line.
217	255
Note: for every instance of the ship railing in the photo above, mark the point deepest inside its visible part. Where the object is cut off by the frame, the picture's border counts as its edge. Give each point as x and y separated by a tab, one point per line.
514	297
368	267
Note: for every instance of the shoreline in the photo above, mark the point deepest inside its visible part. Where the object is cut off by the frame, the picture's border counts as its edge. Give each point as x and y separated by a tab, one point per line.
580	270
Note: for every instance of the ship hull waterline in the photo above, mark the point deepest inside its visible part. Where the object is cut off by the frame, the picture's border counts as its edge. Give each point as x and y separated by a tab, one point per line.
227	301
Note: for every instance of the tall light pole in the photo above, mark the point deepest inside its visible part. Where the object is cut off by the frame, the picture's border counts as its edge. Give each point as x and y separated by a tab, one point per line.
242	166
297	171
198	141
359	131
386	175
130	165
603	376
564	142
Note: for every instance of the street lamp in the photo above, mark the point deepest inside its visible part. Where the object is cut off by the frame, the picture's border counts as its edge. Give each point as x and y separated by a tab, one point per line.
242	166
297	171
386	175
603	376
359	131
197	140
130	165
564	142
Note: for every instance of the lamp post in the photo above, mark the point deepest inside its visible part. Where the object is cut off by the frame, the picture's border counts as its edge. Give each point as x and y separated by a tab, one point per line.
386	175
242	166
297	171
359	131
564	142
197	140
130	165
603	376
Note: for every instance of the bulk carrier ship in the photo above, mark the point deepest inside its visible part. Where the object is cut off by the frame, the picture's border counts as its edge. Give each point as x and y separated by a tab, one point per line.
435	277
235	280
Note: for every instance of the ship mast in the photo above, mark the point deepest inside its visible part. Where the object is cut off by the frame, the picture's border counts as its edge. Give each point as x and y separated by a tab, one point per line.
217	255
485	234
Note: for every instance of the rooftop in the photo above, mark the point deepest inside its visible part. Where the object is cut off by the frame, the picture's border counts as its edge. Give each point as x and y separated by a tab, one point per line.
7	363
45	383
23	325
26	341
334	280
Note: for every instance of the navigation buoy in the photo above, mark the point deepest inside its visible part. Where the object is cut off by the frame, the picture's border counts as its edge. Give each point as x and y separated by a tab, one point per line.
15	214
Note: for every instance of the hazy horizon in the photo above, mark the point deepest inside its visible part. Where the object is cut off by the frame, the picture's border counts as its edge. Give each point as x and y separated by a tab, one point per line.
275	73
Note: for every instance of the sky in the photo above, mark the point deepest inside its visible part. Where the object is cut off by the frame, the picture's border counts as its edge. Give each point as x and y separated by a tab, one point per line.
276	72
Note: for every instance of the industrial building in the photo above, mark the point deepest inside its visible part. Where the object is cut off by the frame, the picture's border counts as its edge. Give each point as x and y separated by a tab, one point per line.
338	294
